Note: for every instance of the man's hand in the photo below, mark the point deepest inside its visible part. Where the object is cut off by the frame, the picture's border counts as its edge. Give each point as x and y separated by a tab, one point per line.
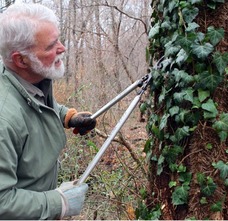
82	123
73	197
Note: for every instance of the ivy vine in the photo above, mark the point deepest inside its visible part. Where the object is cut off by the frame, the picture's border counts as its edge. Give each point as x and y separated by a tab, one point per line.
183	87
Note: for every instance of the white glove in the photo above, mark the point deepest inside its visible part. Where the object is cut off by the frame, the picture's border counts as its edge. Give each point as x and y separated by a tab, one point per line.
73	197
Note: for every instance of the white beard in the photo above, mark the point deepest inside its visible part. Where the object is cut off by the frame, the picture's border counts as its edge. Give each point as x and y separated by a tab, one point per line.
47	72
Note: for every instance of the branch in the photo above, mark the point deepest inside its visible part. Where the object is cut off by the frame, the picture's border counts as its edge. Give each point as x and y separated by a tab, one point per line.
120	139
129	16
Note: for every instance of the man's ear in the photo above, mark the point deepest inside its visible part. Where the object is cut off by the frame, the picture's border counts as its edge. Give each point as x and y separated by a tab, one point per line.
19	60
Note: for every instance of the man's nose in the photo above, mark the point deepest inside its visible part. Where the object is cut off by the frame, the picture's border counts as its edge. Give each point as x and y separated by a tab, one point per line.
61	48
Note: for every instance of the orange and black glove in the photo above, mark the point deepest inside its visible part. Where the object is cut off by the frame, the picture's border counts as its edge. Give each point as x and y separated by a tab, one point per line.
81	121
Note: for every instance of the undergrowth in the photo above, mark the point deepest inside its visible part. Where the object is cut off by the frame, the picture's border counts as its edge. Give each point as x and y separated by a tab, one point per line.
115	182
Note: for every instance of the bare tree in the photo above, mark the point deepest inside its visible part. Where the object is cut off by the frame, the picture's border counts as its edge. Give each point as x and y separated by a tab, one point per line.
5	3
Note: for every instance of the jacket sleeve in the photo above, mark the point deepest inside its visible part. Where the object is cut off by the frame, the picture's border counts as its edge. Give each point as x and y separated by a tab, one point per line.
18	203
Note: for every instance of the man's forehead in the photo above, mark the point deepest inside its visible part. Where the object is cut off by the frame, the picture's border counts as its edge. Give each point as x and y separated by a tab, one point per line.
46	31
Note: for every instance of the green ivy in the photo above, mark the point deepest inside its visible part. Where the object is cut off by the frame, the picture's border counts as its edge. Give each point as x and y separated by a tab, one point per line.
180	195
221	126
190	71
143	213
223	168
207	185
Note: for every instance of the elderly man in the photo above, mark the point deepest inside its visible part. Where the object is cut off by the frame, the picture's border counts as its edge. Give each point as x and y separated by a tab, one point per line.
31	121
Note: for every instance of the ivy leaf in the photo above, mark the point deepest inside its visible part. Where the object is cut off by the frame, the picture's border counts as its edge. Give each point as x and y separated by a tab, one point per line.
182	56
195	1
185	177
223	168
154	30
174	110
203	200
202	51
179	97
158	133
171	49
208	81
220	1
148	146
209	146
221	61
186	41
215	35
172	183
188	117
189	14
173	167
189	95
182	76
202	94
200	36
161	160
196	103
200	67
171	153
184	95
211	5
192	26
210	109
209	187
166	25
180	133
184	4
201	178
217	207
180	195
181	169
221	126
165	63
143	107
222	135
163	122
162	95
172	5
209	106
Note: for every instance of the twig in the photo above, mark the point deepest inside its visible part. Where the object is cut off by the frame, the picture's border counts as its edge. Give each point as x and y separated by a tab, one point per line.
120	139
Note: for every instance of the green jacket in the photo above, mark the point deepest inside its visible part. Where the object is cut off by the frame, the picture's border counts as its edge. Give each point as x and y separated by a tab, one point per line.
31	139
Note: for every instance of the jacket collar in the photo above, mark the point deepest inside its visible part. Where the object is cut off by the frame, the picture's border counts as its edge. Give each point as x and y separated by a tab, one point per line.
14	81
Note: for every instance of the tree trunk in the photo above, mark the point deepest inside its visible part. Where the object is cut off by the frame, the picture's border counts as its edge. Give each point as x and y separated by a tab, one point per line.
201	149
201	159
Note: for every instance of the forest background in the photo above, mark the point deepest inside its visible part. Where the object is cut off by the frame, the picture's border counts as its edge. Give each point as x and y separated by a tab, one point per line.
170	159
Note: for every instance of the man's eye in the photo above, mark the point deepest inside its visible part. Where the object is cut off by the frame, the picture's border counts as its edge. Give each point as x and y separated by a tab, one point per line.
51	45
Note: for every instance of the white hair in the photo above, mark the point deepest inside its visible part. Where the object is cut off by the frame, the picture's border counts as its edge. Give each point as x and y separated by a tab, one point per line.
19	24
